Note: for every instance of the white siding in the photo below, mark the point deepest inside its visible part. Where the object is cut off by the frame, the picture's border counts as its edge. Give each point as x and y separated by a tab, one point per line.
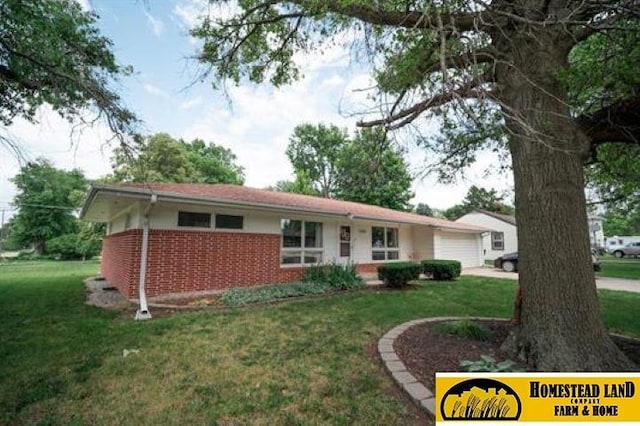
485	221
128	218
464	247
422	239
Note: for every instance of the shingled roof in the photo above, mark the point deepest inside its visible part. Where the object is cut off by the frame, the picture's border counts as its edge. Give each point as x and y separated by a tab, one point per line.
255	198
503	217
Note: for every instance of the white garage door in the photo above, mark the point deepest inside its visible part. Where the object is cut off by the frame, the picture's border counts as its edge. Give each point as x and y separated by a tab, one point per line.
466	248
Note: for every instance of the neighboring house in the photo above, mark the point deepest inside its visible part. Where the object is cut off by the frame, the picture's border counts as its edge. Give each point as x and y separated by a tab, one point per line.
174	238
503	237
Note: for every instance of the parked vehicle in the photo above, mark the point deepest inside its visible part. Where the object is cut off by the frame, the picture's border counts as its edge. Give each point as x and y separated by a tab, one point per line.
631	249
509	262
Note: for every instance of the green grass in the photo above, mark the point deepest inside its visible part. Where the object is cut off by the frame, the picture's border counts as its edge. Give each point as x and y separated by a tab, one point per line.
305	362
620	268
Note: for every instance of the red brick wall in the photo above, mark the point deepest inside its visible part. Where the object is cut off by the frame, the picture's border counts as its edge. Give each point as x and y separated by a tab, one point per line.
184	261
121	260
366	268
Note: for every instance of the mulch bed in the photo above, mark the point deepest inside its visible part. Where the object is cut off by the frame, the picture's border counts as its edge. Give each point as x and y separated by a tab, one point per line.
425	350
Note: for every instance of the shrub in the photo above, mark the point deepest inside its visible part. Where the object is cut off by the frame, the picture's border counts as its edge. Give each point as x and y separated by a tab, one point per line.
466	329
488	363
441	269
244	296
398	274
337	276
72	246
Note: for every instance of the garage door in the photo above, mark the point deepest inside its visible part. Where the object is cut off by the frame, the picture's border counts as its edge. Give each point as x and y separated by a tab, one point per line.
466	248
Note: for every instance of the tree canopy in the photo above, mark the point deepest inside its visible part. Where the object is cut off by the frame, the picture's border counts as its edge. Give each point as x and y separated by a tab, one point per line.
482	199
162	158
46	200
495	75
371	171
365	168
51	52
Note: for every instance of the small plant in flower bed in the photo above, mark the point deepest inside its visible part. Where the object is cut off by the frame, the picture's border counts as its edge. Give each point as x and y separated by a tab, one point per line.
466	329
245	296
441	269
337	276
488	363
398	274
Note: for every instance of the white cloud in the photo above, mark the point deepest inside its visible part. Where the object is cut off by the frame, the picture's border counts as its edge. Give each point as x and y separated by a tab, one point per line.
85	5
190	12
191	103
56	140
157	26
155	91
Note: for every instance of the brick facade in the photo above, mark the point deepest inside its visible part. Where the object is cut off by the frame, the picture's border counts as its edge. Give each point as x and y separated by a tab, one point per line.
121	260
185	261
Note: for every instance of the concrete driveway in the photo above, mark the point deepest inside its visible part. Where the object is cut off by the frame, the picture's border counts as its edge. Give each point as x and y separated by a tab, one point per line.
620	284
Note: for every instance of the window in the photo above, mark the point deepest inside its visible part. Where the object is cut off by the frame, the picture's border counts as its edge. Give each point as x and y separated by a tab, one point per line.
384	243
198	220
301	242
497	241
225	221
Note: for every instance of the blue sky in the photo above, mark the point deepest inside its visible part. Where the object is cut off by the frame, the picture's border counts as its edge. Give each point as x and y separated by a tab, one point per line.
254	121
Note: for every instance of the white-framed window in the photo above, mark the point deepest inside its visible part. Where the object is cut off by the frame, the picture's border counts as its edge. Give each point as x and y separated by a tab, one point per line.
497	241
301	242
385	244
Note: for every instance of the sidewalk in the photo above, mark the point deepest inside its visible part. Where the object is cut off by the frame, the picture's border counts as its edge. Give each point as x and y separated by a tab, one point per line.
619	284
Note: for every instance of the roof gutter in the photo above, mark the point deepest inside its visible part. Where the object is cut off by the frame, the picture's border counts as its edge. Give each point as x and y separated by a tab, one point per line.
132	192
143	312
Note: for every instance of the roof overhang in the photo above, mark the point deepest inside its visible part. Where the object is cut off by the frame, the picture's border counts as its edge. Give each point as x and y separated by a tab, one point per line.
104	200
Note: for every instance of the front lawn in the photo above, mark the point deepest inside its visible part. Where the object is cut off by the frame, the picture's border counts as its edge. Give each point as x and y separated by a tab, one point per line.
308	362
620	268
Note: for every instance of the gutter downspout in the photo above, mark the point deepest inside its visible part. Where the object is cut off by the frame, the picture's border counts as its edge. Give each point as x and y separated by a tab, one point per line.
143	312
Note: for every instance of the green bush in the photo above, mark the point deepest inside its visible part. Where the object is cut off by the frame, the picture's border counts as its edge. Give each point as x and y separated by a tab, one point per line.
72	246
244	296
465	329
337	276
398	274
441	269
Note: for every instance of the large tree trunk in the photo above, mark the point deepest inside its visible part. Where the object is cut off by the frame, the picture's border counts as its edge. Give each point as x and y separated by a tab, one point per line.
560	327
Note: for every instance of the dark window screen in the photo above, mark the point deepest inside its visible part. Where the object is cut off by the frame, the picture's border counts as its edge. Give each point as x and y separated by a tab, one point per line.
199	220
226	221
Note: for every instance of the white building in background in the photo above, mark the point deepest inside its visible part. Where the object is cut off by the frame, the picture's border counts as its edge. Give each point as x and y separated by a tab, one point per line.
596	232
503	237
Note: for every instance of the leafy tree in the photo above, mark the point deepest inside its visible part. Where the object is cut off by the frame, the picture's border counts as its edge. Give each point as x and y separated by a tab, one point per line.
314	152
51	52
365	168
301	185
482	199
423	209
162	158
622	224
493	74
371	171
46	199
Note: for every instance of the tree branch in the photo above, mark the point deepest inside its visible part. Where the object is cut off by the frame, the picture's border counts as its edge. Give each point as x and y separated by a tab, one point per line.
406	19
619	122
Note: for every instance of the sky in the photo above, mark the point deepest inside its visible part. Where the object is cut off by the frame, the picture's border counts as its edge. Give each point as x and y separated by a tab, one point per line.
254	121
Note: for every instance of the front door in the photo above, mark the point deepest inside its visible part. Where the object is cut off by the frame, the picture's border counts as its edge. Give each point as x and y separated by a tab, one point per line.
345	243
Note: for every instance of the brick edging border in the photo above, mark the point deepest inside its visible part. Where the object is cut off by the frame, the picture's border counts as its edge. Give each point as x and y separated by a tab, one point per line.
419	393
